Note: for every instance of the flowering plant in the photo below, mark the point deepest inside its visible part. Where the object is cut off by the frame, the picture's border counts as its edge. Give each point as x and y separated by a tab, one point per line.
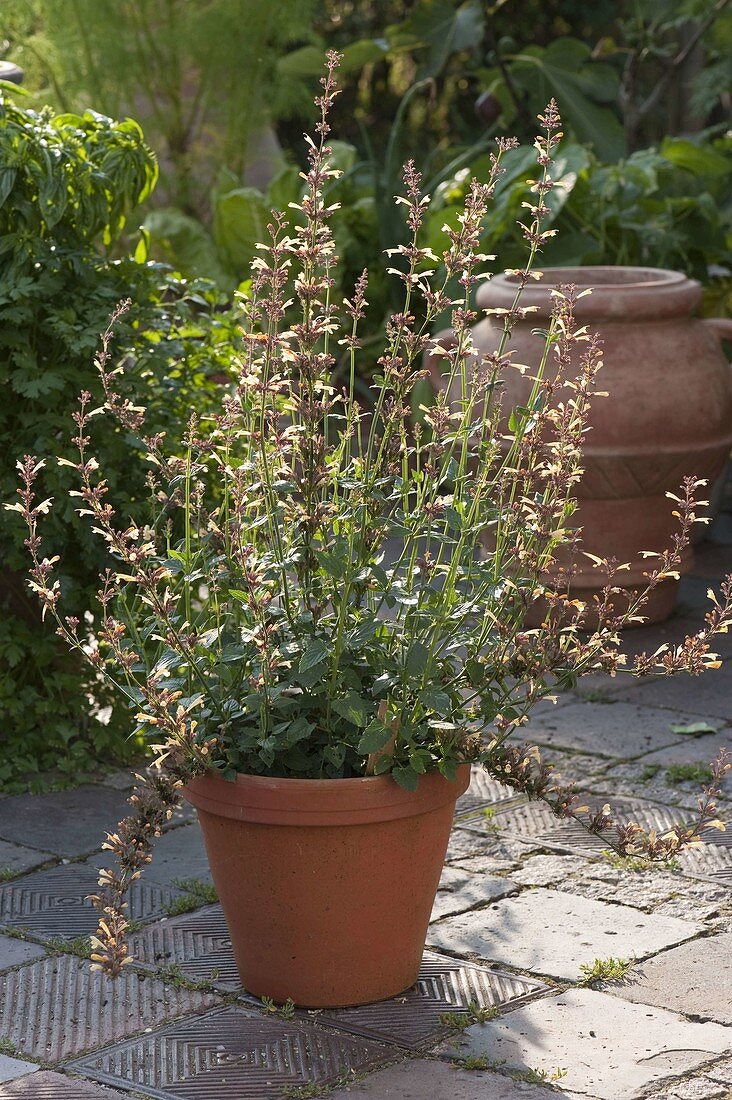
329	591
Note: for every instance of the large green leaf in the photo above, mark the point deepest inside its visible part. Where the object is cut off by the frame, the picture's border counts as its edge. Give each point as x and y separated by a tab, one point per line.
566	72
186	245
569	161
701	160
241	217
440	30
284	188
307	61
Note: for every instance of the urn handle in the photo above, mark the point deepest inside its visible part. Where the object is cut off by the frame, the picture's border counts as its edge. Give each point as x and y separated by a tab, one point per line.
720	326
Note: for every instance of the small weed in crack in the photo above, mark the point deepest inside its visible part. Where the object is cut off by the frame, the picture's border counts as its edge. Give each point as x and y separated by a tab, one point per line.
605	970
459	1021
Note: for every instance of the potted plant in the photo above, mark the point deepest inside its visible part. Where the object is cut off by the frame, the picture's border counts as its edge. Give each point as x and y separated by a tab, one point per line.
307	623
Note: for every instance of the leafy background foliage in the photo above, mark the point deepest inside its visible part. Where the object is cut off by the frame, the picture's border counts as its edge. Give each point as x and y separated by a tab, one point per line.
68	182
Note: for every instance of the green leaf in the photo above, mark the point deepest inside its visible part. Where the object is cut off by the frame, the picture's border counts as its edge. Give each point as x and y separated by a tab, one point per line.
186	245
375	737
240	223
315	653
307	61
7	181
297	731
564	70
343	155
695	728
365	52
353	708
406	778
440	30
436	700
232	652
420	760
286	187
364	632
417	658
701	160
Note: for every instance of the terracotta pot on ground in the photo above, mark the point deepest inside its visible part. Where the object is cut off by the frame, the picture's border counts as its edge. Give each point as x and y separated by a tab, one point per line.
327	885
668	413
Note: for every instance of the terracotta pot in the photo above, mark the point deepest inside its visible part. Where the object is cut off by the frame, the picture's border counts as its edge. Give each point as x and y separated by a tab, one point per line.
327	885
668	413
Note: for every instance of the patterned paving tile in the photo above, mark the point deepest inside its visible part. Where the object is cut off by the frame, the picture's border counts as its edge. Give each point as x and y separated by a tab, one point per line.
198	943
534	822
232	1053
57	1007
483	791
53	902
445	985
55	1086
713	860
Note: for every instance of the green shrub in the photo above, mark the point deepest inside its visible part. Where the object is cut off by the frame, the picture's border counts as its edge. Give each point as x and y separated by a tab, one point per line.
67	185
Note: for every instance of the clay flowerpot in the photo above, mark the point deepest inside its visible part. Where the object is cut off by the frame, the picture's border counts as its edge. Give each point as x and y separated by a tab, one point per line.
668	413
326	885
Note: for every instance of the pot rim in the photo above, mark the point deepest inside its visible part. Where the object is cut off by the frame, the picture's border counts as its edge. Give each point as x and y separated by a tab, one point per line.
621	276
280	801
617	291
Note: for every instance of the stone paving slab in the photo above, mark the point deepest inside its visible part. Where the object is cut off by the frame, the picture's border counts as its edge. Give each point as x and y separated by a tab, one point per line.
17	859
430	1080
692	750
55	902
711	861
233	1052
695	979
56	1007
622	728
697	1088
610	1049
11	1068
550	932
73	822
721	1071
467	844
198	943
708	696
654	890
13	952
487	864
460	890
571	766
177	855
56	1086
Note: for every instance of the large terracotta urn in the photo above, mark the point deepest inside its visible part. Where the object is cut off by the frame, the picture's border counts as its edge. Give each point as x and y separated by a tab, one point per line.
668	413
